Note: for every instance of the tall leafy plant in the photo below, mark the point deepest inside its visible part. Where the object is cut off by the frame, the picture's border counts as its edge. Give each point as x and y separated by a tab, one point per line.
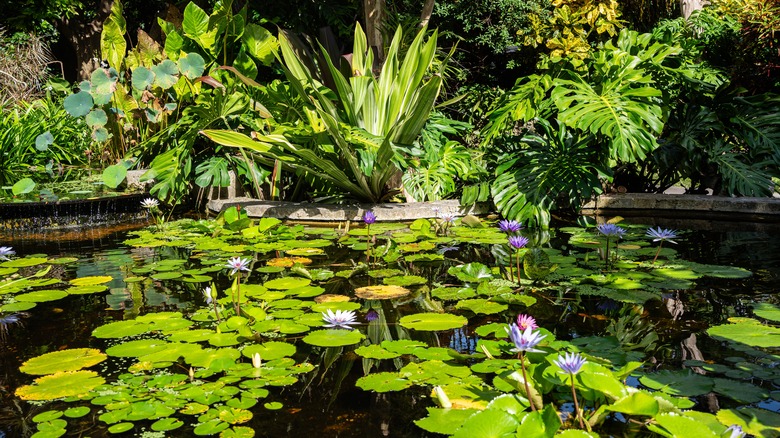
356	135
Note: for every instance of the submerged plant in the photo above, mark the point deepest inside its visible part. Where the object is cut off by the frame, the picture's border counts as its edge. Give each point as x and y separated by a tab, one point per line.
571	364
6	252
661	235
237	264
609	230
339	319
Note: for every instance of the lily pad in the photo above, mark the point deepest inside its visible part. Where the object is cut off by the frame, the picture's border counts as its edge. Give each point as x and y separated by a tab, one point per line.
333	338
137	348
680	383
749	332
433	321
59	385
40	296
285	283
383	382
270	350
91	281
63	360
482	306
386	292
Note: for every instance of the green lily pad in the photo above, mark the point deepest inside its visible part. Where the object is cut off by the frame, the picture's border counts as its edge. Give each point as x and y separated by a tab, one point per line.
444	421
59	385
63	360
405	280
137	348
767	311
471	272
24	262
333	338
383	382
754	421
749	332
285	283
166	424
433	321
481	306
41	296
47	416
375	352
91	281
495	422
270	350
121	329
77	412
234	415
85	290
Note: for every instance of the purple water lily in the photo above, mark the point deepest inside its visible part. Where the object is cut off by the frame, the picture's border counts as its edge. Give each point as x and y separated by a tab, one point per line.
524	340
570	363
661	235
6	252
510	226
369	217
518	242
611	230
237	264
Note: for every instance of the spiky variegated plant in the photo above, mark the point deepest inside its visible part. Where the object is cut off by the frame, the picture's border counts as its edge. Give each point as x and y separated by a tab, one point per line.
358	131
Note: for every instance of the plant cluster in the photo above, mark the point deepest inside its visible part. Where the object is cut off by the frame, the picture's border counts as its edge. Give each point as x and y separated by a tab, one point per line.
273	325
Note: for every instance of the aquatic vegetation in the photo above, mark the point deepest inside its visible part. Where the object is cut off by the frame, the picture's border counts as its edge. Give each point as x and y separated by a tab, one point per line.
204	370
509	226
661	235
153	205
6	252
339	319
610	230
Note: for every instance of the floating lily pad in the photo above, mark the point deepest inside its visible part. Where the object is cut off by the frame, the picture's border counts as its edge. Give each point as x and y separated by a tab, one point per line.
444	421
288	262
333	338
137	348
85	290
166	424
680	383
64	360
59	385
375	352
383	382
270	350
77	412
40	296
481	306
331	298
285	283
121	329
381	292
767	311
91	281
433	321
24	262
749	332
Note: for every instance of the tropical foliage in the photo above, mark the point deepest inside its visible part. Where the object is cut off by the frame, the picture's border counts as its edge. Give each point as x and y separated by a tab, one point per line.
357	135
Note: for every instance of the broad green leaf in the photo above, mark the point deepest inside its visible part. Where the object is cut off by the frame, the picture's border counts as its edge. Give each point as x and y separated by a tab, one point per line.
114	175
59	385
433	321
23	186
78	104
333	338
63	360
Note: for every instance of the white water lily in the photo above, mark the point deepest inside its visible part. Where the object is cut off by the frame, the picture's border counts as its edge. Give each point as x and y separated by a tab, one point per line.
257	361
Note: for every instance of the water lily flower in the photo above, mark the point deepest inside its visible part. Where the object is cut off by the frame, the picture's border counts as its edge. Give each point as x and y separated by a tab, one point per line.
237	264
447	218
444	401
339	319
372	315
662	235
571	363
369	217
150	203
509	226
524	340
611	230
208	295
257	362
6	252
524	322
518	242
736	431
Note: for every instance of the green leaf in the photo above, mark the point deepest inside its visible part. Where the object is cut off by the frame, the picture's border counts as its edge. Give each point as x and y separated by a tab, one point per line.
767	311
143	78
681	383
96	118
495	423
676	425
43	141
260	43
382	382
196	26
114	175
165	74
24	185
59	385
79	104
333	338
63	360
432	321
112	39
749	332
191	65
444	421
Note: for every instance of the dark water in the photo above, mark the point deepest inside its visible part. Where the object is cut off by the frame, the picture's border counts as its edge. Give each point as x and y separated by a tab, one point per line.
326	406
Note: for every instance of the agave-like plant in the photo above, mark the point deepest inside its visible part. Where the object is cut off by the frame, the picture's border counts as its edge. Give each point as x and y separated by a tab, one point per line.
357	133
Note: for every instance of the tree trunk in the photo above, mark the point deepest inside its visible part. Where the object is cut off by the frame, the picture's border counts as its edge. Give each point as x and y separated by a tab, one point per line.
374	11
427	10
688	6
83	38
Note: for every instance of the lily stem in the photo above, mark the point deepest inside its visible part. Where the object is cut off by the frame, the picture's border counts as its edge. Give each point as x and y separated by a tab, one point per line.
525	380
657	252
576	405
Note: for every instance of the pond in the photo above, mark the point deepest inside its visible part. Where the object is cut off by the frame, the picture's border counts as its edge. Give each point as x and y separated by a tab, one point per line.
116	336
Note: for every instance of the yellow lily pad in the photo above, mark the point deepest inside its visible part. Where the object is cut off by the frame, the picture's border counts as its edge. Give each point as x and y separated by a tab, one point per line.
381	292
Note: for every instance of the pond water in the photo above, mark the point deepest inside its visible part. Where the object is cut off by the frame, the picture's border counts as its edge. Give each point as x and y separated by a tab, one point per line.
620	314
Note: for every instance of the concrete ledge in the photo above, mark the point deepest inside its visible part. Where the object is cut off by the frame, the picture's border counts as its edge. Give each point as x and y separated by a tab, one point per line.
333	213
696	205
